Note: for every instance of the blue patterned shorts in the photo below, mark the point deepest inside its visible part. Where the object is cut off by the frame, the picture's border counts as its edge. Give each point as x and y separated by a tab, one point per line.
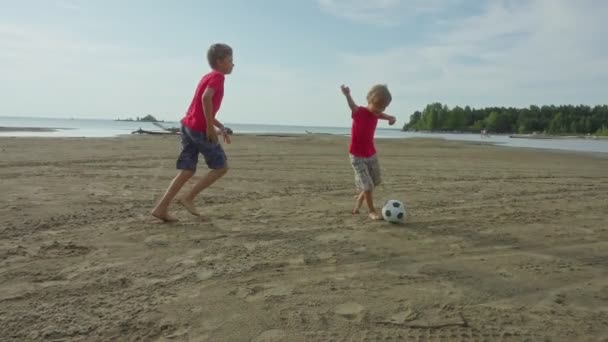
193	143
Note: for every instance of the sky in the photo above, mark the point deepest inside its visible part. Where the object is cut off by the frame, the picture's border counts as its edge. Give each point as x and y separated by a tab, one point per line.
115	58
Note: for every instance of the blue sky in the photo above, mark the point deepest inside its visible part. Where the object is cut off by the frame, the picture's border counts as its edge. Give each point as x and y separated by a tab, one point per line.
108	59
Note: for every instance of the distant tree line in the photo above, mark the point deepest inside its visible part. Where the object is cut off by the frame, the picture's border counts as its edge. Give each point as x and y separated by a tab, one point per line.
568	119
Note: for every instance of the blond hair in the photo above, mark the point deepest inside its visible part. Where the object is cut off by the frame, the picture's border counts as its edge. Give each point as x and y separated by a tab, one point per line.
218	52
379	96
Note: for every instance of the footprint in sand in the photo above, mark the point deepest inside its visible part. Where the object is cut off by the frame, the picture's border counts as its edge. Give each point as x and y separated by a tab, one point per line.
349	310
257	293
325	255
180	261
63	249
204	274
271	336
297	261
157	240
403	316
360	249
331	237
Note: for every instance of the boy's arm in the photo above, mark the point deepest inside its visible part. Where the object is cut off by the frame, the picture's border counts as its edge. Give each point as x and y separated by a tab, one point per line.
351	103
218	124
383	116
222	130
208	110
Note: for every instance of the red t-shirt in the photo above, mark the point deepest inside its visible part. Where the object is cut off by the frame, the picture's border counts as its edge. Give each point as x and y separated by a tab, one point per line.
195	116
362	133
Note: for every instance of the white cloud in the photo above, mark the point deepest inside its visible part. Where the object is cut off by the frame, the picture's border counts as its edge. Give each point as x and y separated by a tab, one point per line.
70	5
46	72
534	51
513	52
70	75
43	45
382	12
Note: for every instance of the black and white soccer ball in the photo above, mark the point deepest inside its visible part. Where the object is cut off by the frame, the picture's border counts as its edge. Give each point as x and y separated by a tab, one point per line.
394	211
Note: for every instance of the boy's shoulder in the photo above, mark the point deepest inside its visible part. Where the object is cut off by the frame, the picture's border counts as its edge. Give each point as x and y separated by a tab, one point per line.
214	73
361	111
214	76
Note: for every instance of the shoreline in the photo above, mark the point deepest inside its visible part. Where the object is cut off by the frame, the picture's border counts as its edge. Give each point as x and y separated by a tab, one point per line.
4	129
558	137
519	136
292	136
9	129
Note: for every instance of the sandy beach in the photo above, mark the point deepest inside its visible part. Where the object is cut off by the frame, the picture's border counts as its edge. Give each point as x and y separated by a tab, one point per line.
501	244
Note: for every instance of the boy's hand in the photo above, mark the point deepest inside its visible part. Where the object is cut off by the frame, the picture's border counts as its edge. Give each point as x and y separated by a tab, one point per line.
349	99
392	120
226	137
211	134
345	90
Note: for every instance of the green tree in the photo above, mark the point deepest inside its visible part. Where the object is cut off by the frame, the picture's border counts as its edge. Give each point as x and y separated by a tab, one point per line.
563	119
430	117
478	126
498	122
414	121
455	120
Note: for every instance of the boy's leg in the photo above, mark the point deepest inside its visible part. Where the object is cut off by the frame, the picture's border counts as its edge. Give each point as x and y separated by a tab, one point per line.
369	199
365	183
186	163
161	211
373	166
359	202
211	177
216	160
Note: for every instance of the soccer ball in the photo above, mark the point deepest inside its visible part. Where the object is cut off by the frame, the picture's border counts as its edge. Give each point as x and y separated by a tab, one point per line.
394	211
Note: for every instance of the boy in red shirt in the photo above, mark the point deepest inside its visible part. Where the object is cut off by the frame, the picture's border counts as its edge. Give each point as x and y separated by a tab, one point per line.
199	135
362	151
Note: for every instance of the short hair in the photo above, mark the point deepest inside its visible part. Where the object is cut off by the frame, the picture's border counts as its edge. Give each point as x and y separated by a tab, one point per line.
217	52
379	95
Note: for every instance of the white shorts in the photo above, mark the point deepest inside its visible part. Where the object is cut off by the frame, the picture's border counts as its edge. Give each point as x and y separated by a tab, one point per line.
367	172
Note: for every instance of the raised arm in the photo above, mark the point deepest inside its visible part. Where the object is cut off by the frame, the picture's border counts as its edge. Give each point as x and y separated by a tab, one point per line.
349	99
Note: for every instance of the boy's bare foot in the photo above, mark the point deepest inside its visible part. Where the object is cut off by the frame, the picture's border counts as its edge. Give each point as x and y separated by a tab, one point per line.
355	211
189	206
163	216
374	216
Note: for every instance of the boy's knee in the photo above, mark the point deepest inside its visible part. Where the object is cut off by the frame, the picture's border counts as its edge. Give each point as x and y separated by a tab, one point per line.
223	170
187	173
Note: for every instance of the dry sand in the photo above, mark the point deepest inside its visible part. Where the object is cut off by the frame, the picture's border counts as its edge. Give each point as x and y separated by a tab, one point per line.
501	244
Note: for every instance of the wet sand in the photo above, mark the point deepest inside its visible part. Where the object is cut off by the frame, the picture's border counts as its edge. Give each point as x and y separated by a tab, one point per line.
26	129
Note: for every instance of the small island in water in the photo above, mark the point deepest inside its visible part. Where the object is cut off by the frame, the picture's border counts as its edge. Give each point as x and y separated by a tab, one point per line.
147	118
